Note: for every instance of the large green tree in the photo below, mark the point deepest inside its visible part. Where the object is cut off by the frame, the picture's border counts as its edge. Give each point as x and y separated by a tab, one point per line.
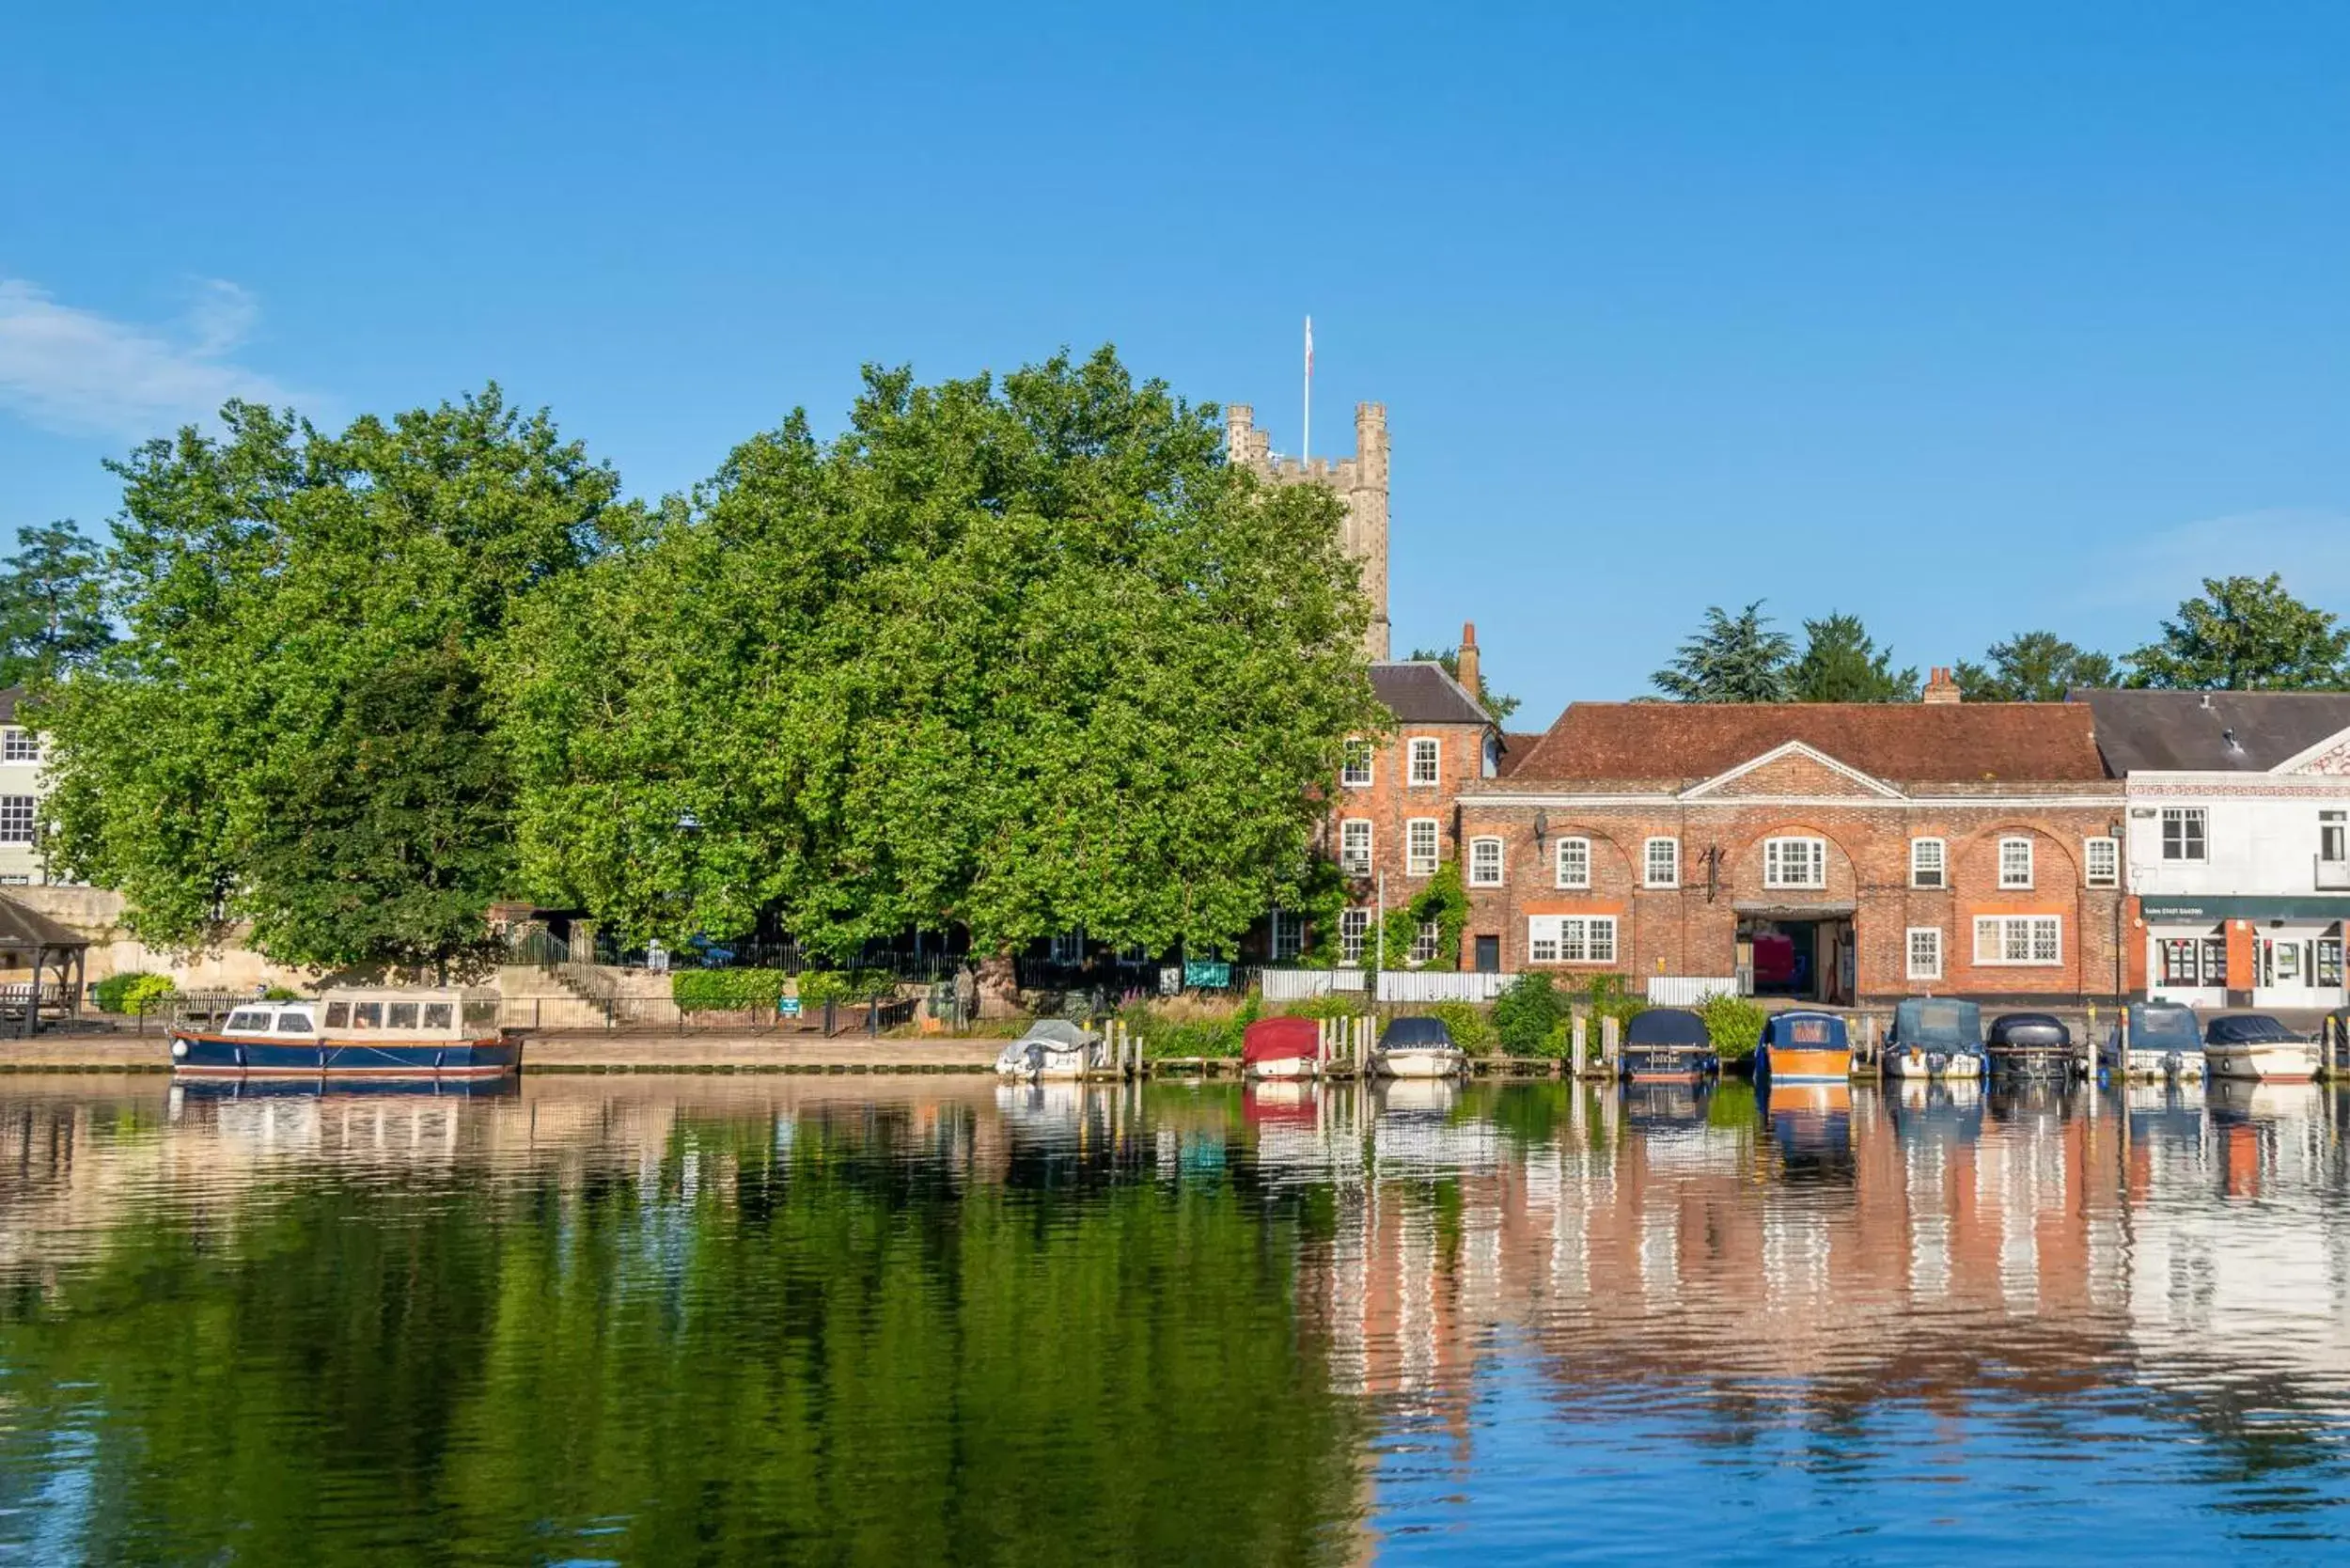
1021	655
1735	658
53	613
1842	663
2246	633
2032	667
294	730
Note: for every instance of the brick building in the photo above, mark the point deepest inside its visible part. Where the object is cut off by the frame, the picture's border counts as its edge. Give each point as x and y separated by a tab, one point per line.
1843	853
1394	820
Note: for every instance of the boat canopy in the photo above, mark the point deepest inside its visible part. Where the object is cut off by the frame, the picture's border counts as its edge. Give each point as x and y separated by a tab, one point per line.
2247	1029
1667	1026
2164	1026
447	1012
1281	1040
1424	1034
2029	1029
1806	1031
1060	1034
1938	1022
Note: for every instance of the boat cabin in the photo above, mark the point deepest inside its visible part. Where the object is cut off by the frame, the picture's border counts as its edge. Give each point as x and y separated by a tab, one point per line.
389	1013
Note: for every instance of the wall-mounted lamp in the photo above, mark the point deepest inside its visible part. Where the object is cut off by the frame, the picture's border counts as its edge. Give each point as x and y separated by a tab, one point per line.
1541	827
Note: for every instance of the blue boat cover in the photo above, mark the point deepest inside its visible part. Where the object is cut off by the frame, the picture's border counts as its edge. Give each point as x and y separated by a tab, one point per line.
1422	1033
2164	1026
2029	1029
2247	1029
1939	1022
1806	1031
1667	1026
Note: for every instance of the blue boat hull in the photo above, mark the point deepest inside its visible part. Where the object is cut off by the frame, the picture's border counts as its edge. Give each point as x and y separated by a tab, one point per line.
205	1056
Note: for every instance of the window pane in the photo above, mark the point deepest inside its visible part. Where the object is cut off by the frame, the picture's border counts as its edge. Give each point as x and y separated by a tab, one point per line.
338	1015
402	1015
436	1016
1423	761
366	1016
1574	862
2043	940
1603	941
293	1023
1664	862
16	819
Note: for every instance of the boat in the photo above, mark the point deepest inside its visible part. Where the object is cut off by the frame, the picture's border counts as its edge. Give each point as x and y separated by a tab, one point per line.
2255	1046
2035	1045
1281	1048
2165	1041
1417	1048
1804	1048
1053	1048
447	1033
1934	1037
1668	1044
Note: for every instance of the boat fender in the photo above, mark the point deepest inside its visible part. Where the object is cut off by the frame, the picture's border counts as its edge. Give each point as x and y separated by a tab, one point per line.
178	1050
437	1058
240	1055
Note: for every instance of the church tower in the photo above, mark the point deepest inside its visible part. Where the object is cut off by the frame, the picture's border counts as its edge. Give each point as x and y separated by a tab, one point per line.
1361	483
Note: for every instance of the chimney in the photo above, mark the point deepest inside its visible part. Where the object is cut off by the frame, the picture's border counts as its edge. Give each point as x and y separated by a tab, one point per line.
1470	672
1940	687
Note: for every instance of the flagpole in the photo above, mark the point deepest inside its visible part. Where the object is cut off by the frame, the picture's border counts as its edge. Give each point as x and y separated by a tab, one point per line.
1306	441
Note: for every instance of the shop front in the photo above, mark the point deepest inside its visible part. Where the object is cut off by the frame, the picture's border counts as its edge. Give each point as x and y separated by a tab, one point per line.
2246	952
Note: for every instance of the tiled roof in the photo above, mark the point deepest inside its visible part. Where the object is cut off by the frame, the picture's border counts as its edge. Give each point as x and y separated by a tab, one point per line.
2220	732
22	930
1517	746
1946	743
1420	692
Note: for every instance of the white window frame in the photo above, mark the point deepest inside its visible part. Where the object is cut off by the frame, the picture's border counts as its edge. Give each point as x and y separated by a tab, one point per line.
1936	876
1424	940
2333	836
2004	931
2182	817
1354	934
1356	858
20	819
1571	939
1774	851
2017	877
1481	875
1427	748
19	745
2101	861
1415	861
1358	765
1919	966
1561	875
1649	866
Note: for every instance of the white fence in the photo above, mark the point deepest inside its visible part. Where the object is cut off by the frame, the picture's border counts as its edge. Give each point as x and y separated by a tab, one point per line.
1440	985
1689	990
1304	985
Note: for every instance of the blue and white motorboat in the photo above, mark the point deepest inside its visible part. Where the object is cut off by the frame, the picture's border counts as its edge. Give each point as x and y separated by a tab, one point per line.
388	1034
2166	1041
1934	1037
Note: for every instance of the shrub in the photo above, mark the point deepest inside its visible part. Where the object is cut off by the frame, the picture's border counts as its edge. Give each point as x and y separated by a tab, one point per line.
1180	1027
1331	1004
726	990
1608	997
281	994
1526	1017
133	991
1733	1024
1470	1026
819	986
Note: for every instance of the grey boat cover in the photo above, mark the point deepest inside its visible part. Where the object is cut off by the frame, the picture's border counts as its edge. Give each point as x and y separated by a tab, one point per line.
2028	1030
1424	1034
2247	1028
1061	1034
1939	1022
2164	1026
1667	1026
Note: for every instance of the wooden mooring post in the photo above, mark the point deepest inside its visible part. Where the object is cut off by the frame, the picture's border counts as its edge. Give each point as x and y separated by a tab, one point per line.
1610	1042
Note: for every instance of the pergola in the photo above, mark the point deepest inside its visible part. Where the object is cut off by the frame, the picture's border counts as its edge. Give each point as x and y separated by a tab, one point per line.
28	933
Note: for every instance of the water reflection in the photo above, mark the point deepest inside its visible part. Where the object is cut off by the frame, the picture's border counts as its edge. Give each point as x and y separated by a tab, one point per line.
636	1320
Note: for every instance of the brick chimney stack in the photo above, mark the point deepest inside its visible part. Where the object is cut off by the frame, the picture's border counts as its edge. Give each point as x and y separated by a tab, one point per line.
1470	672
1941	688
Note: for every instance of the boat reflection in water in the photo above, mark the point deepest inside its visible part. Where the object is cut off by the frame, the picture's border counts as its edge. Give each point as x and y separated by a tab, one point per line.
1812	1129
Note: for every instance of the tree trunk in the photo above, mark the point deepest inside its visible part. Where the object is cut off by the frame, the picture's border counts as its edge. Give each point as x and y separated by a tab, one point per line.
999	987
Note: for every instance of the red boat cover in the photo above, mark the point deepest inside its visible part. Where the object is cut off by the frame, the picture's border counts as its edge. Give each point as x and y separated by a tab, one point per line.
1281	1040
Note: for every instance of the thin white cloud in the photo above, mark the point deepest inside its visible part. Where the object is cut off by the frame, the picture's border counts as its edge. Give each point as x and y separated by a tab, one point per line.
80	372
2308	546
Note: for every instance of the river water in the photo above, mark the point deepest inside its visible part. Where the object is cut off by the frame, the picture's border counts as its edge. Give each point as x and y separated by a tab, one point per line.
748	1320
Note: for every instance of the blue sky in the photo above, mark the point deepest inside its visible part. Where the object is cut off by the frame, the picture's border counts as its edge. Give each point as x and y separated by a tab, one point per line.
1969	319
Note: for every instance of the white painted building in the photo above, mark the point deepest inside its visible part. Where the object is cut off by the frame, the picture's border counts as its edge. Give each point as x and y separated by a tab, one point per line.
2237	850
21	863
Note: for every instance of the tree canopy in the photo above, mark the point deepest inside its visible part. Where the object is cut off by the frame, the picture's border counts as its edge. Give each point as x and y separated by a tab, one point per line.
1023	655
1842	663
295	728
2246	633
1732	659
53	613
2032	667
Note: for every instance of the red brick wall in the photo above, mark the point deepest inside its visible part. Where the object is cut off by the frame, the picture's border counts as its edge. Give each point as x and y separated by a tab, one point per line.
1388	803
1683	931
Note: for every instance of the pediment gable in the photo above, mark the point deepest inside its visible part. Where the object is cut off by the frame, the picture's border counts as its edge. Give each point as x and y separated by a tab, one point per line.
1792	769
2329	758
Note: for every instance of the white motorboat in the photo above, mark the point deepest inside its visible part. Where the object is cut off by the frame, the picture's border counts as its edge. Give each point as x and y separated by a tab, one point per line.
1935	1038
2254	1046
1053	1048
2165	1041
1417	1048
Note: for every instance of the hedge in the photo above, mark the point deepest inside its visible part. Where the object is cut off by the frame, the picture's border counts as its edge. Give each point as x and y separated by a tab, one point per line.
728	990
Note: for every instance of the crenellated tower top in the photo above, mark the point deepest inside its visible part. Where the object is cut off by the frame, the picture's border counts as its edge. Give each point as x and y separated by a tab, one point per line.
1360	481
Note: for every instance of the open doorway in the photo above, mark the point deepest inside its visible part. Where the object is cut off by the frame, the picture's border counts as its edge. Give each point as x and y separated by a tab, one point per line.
1802	958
